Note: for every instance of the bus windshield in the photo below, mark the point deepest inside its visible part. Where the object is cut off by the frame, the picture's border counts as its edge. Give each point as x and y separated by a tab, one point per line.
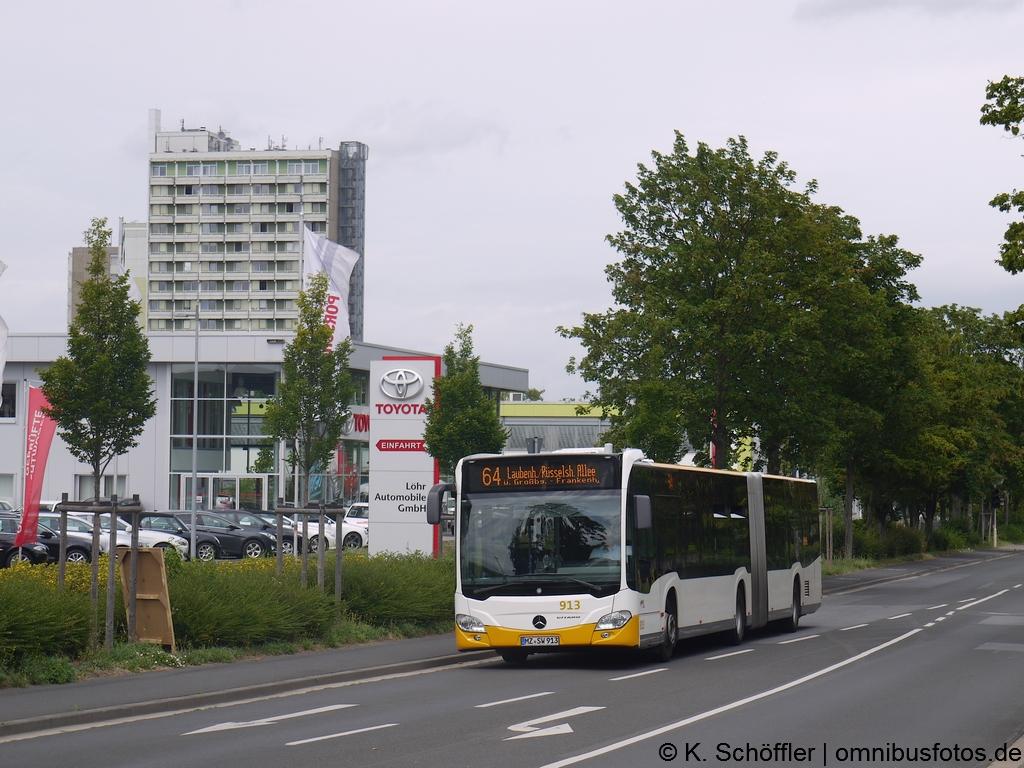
551	542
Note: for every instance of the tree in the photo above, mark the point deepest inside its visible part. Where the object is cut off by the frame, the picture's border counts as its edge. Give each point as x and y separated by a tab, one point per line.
728	277
100	394
1005	107
313	398
461	420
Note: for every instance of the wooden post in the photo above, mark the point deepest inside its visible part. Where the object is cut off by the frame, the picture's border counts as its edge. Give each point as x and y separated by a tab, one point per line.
61	565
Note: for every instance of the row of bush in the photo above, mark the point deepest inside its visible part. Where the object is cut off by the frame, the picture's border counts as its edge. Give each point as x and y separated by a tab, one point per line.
903	541
238	604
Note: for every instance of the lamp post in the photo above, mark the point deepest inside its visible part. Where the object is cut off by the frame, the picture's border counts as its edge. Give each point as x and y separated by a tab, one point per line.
195	437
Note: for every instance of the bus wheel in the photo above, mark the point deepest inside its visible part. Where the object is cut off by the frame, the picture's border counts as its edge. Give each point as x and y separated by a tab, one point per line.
513	655
668	644
739	628
792	624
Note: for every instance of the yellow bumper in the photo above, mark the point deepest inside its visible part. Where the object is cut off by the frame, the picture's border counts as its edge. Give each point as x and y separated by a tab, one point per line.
578	636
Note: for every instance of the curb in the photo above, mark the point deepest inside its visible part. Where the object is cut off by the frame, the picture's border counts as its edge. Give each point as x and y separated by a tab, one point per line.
200	700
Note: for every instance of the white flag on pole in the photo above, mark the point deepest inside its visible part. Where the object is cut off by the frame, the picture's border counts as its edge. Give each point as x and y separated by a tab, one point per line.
321	255
3	339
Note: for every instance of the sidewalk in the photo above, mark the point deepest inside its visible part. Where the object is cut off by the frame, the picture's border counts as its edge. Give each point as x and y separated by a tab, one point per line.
103	698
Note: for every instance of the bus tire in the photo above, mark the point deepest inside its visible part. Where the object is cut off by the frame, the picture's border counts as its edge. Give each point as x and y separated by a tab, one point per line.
792	623
668	643
513	655
739	629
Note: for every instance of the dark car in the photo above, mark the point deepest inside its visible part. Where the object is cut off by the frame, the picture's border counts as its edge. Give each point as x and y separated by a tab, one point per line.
233	539
10	554
266	522
207	545
79	546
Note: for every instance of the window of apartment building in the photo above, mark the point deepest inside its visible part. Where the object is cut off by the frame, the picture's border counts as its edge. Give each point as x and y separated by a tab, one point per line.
288	226
193	170
285	305
315	207
239	209
263	305
9	406
183	266
266	208
261	189
160	286
161	247
211	229
158	169
211	209
263	285
186	229
182	325
234	305
158	306
213	266
259	266
236	266
161	191
209	169
289	247
161	266
259	169
287	266
159	229
295	189
238	247
161	210
183	306
211	285
211	325
160	325
295	167
262	227
186	210
188	189
211	247
213	189
317	226
232	325
236	228
236	285
186	286
210	305
262	247
313	167
243	169
287	285
289	207
238	189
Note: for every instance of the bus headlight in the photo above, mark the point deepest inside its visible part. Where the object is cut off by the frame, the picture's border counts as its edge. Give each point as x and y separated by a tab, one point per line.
614	620
469	623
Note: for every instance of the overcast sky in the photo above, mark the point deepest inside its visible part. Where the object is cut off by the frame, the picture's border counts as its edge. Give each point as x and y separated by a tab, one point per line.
499	132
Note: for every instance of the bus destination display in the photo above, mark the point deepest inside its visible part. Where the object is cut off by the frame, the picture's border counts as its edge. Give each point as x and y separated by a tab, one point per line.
548	473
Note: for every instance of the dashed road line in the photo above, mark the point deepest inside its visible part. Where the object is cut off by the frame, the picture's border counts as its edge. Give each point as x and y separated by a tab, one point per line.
900	616
982	600
638	674
727	655
855	626
339	735
798	639
936	607
517	698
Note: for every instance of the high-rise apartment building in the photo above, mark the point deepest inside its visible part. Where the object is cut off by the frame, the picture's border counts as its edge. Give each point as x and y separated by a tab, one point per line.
225	228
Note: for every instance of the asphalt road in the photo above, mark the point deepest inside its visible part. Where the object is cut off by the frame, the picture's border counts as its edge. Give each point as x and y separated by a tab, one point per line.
896	662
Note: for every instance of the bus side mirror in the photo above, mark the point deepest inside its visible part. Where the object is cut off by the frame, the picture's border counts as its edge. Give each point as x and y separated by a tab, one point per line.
435	497
643	511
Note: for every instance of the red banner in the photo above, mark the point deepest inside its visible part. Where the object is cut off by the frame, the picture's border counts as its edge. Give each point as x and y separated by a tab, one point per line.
40	435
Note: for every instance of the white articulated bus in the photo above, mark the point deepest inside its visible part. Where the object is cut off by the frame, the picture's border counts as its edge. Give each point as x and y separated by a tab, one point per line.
592	548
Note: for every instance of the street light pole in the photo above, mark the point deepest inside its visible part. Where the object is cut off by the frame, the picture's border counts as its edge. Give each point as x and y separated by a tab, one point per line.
195	436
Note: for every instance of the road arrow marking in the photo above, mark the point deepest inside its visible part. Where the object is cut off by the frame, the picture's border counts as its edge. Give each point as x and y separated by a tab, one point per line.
267	720
529	729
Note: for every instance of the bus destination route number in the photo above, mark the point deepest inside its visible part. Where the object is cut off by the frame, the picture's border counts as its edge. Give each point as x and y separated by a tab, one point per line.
524	475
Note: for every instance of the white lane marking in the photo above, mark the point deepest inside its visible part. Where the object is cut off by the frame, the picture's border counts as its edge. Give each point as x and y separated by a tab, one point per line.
965	600
529	729
727	655
339	735
936	607
1016	586
727	707
509	701
900	616
950	613
930	624
855	626
282	695
941	618
638	674
982	600
267	720
797	640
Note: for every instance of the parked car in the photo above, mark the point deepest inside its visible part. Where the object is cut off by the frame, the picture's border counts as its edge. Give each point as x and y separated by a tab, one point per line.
232	540
10	554
83	523
265	522
78	549
358	514
207	545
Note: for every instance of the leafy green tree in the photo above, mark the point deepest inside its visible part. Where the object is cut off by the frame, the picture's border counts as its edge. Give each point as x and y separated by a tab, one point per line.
728	277
461	420
100	393
313	398
1005	108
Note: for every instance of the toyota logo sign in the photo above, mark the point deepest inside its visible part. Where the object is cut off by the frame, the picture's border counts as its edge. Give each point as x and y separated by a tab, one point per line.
401	384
